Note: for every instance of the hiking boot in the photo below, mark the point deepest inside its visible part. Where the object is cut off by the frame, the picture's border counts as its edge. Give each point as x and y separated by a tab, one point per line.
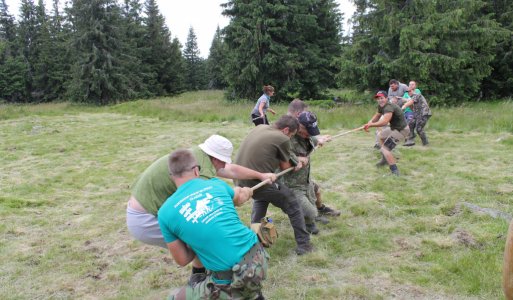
196	278
304	249
327	211
395	172
312	229
383	162
321	219
377	146
409	143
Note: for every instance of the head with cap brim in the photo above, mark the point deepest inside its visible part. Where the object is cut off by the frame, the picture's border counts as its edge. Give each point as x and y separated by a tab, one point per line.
218	147
309	120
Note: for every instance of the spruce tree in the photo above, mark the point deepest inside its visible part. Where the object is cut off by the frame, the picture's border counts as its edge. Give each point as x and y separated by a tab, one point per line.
194	66
98	75
162	56
13	68
216	61
445	46
289	44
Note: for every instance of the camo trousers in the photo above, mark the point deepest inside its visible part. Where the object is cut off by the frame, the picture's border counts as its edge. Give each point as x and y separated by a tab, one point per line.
307	198
417	124
246	276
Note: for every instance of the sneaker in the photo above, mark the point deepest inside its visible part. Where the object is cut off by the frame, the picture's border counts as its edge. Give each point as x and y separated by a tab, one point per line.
409	143
312	229
321	219
196	278
327	211
383	162
300	250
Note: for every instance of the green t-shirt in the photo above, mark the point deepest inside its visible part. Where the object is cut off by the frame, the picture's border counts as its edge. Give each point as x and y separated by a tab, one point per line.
154	185
407	96
397	122
263	150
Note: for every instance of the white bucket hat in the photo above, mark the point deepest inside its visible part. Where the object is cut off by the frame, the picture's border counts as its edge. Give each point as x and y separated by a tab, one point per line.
218	147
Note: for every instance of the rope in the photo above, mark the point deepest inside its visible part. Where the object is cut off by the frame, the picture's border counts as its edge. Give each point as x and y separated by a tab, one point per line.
347	132
268	180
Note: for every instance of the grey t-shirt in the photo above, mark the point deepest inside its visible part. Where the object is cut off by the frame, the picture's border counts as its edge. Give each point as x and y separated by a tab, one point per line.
262	98
401	89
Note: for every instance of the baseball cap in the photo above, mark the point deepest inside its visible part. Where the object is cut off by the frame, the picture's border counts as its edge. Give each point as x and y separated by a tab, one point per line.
218	147
309	120
380	94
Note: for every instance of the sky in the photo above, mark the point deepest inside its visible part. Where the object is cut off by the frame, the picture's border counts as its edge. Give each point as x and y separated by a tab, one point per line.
203	15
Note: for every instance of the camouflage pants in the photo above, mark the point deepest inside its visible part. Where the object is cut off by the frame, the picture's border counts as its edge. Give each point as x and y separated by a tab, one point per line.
247	279
307	198
417	124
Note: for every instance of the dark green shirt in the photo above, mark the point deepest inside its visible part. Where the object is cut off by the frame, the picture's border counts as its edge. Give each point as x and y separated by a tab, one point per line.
263	150
397	122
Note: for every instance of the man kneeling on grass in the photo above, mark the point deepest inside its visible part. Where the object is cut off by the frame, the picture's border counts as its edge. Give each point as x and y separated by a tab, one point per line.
200	219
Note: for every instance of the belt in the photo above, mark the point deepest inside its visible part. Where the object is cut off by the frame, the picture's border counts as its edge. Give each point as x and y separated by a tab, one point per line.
246	259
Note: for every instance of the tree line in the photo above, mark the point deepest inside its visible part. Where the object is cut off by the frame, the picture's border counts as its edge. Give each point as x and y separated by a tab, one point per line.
107	51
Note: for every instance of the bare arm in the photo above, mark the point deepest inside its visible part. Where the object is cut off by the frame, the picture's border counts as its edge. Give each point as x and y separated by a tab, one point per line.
379	123
261	108
407	104
233	171
242	195
182	254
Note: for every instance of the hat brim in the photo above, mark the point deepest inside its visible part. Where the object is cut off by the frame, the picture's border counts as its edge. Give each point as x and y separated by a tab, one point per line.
209	151
379	95
313	130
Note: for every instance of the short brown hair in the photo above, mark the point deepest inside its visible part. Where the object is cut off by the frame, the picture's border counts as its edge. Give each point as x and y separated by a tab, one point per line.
287	121
297	106
181	161
268	89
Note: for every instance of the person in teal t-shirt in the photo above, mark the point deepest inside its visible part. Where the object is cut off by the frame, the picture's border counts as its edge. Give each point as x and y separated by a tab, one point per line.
200	219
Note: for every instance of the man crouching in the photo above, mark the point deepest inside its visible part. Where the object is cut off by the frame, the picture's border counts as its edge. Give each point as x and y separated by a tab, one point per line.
200	219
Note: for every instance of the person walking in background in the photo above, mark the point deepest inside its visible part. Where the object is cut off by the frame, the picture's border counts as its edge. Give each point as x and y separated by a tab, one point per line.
200	220
390	136
258	114
266	148
421	115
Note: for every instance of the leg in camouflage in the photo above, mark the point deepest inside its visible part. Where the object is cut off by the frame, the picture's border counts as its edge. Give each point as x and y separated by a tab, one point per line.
421	123
247	280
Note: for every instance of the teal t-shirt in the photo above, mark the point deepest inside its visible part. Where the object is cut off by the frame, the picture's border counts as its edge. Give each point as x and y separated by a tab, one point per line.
154	185
201	213
407	96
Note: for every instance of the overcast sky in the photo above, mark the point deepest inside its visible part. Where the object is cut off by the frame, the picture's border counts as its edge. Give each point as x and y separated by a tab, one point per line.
203	15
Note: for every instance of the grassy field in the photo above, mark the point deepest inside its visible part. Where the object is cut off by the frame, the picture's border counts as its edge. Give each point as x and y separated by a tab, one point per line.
66	172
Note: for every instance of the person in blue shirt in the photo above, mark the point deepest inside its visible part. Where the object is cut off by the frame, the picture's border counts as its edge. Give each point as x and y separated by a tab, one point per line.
200	220
258	114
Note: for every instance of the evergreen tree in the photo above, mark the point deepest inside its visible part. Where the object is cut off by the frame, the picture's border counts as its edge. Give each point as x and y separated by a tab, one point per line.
13	69
132	53
98	75
216	61
27	43
194	66
446	46
290	44
57	55
499	83
162	56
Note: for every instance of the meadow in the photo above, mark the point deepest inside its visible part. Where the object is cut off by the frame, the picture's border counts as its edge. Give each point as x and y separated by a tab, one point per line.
66	172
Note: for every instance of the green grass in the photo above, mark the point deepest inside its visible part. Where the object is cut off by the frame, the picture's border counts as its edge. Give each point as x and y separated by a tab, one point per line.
67	170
